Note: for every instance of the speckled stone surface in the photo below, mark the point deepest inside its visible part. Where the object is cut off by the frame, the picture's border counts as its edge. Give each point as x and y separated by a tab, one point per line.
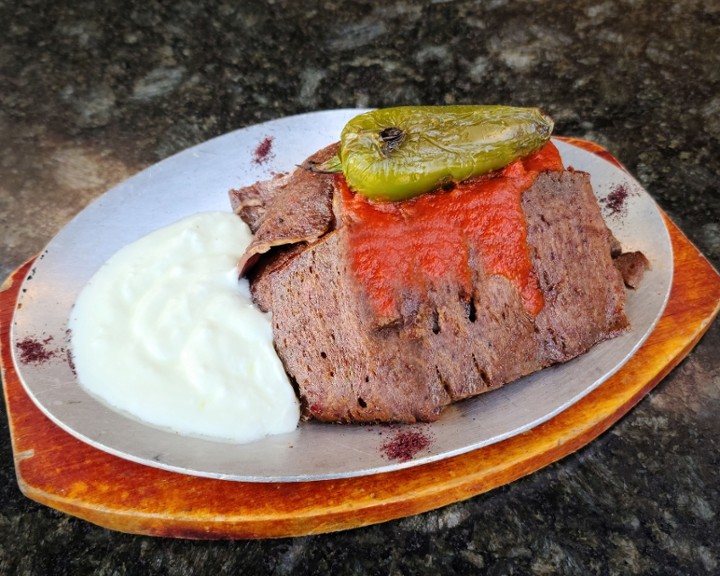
93	92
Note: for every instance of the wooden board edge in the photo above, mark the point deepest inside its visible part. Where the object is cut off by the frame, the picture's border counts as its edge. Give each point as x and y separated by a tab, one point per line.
9	290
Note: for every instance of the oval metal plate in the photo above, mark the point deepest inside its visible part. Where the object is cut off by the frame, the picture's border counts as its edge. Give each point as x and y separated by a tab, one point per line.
198	179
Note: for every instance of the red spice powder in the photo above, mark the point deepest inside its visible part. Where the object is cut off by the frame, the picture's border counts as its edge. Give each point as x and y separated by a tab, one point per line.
404	445
615	201
68	352
71	361
34	351
263	151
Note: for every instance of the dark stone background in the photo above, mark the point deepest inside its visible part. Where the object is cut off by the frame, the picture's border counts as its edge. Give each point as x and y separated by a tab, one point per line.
93	92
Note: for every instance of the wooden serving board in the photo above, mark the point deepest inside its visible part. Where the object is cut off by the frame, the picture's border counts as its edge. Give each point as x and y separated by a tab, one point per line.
55	469
60	471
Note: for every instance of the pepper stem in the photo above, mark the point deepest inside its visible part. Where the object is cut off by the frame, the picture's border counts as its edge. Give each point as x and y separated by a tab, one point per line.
329	166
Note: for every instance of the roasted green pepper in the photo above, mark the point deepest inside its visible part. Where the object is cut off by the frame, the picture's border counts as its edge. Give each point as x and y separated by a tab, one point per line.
398	153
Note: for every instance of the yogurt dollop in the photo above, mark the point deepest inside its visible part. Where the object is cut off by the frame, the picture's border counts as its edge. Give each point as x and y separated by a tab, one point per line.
166	333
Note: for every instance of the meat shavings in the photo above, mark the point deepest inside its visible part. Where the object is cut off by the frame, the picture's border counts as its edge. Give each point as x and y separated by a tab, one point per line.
456	336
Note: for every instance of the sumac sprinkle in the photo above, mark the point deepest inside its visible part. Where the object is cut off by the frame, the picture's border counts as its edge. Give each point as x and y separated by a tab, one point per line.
263	151
34	351
404	445
71	361
68	352
615	201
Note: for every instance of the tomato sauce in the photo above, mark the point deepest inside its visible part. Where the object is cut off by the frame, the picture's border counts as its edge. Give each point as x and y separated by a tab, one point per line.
412	246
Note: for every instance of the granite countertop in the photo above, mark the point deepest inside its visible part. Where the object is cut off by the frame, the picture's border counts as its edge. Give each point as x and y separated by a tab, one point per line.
93	92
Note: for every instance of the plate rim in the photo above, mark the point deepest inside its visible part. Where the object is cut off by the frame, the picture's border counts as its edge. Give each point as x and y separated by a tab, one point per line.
389	466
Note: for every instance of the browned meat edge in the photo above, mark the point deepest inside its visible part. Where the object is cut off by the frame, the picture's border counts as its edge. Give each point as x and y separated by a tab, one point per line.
452	345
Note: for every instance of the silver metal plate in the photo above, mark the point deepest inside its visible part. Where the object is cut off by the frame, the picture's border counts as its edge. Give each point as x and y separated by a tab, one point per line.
198	179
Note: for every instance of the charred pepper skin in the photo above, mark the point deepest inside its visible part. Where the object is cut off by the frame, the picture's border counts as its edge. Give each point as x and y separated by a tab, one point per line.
398	153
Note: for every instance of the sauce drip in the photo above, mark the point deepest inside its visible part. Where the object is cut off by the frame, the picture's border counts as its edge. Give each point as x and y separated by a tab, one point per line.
413	246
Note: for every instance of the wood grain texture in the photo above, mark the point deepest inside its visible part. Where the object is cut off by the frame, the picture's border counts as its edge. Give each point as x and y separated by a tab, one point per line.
58	470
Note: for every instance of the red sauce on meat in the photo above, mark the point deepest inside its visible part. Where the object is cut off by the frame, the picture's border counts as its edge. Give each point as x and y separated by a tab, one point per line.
413	245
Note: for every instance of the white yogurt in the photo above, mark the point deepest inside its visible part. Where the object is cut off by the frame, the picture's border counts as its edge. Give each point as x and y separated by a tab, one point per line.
165	333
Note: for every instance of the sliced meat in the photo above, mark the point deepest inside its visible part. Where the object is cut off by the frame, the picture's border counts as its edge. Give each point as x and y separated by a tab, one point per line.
632	267
287	209
456	344
261	273
571	253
